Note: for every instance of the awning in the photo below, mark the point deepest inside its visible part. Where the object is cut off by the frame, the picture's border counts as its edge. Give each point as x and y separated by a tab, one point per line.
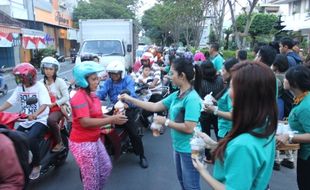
9	29
33	39
6	39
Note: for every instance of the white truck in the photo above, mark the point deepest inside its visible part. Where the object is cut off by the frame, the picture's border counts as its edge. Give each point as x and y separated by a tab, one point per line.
108	39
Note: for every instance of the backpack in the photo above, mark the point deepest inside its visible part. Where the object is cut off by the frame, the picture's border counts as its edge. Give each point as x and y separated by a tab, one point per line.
22	148
288	99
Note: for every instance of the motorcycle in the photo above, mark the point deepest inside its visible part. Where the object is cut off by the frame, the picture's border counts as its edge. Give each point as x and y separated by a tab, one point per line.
48	159
115	138
3	86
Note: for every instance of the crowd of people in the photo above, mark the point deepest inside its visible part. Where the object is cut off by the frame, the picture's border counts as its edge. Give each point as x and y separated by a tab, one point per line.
249	99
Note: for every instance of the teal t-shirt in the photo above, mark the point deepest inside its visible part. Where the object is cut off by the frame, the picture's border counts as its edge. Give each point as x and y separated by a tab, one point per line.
217	61
224	104
299	120
248	163
180	110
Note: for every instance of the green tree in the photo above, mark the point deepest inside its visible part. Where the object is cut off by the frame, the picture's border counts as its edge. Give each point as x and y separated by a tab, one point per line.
177	19
105	9
240	36
261	26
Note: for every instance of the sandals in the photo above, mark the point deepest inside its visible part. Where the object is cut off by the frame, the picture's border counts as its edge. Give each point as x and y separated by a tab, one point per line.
58	148
35	173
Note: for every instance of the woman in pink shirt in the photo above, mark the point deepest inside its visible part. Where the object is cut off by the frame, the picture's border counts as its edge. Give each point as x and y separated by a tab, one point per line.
85	145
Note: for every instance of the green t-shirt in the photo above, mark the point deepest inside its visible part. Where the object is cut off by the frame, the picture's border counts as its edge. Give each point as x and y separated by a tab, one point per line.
299	120
224	104
248	163
180	110
217	61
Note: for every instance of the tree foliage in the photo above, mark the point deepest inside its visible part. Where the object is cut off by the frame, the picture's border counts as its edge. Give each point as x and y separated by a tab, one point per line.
105	9
240	36
175	19
262	24
261	28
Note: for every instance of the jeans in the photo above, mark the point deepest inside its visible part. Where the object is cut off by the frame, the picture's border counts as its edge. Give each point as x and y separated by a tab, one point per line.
188	176
35	134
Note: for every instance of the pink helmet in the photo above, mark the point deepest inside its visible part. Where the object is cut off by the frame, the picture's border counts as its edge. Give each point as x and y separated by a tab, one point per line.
199	56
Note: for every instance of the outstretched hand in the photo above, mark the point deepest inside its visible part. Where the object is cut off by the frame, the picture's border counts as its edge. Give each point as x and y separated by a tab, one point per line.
119	119
210	143
124	97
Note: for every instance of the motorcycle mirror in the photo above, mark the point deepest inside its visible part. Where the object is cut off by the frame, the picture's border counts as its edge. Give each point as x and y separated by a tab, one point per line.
31	100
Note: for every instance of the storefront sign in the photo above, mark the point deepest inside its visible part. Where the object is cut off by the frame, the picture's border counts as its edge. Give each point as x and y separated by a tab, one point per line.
49	39
61	19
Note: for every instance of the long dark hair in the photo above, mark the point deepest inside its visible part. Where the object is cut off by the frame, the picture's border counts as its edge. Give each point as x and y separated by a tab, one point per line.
252	108
208	71
192	72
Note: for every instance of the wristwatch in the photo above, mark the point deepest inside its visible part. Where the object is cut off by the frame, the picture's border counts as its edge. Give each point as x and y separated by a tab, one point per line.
167	122
216	109
290	138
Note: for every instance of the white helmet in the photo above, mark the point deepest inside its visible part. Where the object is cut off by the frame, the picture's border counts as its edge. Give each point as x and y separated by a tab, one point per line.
116	67
49	62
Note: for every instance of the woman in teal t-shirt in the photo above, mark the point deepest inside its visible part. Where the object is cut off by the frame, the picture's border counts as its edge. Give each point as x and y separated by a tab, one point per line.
224	105
244	158
184	108
297	80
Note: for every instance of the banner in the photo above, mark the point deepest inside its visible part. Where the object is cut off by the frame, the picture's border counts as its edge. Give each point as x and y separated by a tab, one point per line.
33	42
6	39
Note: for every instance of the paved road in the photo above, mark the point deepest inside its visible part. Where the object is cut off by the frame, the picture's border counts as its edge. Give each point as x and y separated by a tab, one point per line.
126	173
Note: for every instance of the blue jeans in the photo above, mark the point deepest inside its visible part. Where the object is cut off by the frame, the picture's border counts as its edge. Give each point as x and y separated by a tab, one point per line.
188	176
35	134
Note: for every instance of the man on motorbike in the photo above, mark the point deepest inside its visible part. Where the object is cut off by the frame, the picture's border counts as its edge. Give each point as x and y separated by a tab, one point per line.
115	85
26	78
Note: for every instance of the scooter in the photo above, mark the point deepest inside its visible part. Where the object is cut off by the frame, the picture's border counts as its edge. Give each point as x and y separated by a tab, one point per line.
48	159
3	86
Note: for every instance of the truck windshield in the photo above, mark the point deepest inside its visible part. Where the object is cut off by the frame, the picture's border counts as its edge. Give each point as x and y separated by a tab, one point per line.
102	47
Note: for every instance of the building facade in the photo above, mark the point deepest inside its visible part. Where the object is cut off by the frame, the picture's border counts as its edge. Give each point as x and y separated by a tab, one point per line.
37	24
297	16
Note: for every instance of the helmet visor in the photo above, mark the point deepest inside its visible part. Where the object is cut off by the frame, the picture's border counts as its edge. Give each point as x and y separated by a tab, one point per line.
48	65
19	79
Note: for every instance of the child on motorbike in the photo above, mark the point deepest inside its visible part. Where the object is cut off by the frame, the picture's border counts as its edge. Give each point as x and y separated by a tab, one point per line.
36	125
144	77
58	91
85	144
115	85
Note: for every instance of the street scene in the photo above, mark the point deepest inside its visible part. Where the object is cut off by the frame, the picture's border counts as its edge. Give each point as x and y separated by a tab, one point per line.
154	94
